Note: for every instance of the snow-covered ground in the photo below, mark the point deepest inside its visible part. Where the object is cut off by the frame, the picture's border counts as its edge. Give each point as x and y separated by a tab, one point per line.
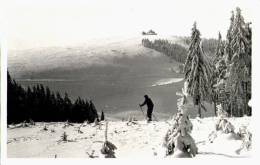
140	140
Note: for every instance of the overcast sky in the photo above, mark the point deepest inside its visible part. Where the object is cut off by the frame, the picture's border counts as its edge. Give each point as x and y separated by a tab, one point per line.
33	23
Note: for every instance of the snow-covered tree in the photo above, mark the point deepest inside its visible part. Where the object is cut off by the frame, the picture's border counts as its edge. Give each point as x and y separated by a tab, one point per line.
240	65
102	116
219	71
197	71
219	53
178	141
64	137
223	124
228	50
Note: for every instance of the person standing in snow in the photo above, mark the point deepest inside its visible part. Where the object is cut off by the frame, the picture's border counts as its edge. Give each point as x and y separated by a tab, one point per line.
150	105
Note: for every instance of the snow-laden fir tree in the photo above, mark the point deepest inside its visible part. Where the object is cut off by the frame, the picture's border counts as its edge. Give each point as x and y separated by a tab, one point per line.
64	137
197	71
102	118
228	50
219	52
219	71
178	141
219	85
239	80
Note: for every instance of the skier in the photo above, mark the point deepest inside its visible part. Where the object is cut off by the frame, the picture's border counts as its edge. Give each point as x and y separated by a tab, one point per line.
150	105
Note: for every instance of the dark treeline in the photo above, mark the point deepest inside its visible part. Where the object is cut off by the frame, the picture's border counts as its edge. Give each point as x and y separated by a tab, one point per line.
174	51
39	104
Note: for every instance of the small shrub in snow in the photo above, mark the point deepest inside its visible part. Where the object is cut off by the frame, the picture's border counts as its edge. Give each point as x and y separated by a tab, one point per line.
92	154
24	124
31	122
221	113
108	147
45	128
223	124
64	137
131	121
67	124
246	139
79	131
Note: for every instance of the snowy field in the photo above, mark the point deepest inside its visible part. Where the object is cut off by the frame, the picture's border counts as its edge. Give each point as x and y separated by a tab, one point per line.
139	140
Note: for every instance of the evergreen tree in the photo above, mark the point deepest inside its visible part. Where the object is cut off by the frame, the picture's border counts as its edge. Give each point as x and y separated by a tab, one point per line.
178	140
93	110
219	52
219	71
240	67
228	49
102	116
197	71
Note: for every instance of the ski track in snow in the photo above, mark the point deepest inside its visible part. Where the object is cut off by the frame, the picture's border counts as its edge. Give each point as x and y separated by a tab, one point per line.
139	140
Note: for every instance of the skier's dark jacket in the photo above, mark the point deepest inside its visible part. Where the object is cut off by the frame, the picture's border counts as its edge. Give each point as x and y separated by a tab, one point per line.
148	102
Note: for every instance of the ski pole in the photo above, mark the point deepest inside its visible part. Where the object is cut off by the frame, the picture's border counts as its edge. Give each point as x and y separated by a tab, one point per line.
142	111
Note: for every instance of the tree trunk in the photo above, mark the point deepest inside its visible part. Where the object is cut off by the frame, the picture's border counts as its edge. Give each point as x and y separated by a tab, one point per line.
246	103
199	109
231	109
215	108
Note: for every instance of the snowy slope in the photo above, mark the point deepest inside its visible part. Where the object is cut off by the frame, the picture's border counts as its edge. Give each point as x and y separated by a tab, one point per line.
139	140
94	52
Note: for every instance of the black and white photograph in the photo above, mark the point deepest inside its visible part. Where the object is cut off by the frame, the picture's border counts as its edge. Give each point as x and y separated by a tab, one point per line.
129	79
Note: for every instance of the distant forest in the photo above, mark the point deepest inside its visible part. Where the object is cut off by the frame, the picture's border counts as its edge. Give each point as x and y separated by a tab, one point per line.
174	51
177	51
40	104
